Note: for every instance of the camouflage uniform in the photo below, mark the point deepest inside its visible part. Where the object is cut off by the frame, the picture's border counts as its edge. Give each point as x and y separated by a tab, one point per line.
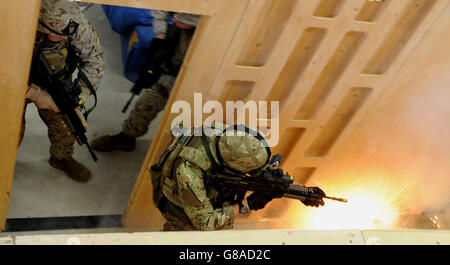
153	99
160	20
179	188
87	46
61	138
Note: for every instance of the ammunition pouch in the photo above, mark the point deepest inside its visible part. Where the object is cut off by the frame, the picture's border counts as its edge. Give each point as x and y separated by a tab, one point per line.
156	174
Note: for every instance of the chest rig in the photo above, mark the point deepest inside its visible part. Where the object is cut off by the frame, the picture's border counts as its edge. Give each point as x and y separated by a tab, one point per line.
182	148
58	58
57	61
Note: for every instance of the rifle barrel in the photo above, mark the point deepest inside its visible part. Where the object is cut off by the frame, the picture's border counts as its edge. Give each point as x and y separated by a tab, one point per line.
128	103
336	199
93	155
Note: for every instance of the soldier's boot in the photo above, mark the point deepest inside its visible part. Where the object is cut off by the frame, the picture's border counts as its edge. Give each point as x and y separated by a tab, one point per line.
73	169
120	141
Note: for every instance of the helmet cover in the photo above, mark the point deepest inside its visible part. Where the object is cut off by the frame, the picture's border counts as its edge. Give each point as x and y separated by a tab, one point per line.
243	149
59	17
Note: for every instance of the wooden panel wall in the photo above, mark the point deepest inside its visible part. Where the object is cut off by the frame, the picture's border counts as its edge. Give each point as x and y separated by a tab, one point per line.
18	22
207	50
404	139
327	62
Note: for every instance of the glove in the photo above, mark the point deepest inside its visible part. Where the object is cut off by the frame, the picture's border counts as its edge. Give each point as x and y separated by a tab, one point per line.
258	200
41	98
315	202
146	79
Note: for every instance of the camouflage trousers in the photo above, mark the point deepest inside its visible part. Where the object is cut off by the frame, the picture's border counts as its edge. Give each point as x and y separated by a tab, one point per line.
149	104
61	138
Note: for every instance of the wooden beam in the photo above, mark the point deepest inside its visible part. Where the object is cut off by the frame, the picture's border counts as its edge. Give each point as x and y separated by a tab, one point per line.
202	7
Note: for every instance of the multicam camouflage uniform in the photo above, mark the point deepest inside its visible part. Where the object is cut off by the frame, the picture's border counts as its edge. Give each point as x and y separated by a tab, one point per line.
179	187
153	100
56	14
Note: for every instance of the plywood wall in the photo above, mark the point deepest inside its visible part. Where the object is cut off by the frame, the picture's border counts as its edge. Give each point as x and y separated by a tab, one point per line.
18	21
326	62
405	137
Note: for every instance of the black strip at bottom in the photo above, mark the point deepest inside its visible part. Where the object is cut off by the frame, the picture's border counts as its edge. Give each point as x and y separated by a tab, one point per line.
61	223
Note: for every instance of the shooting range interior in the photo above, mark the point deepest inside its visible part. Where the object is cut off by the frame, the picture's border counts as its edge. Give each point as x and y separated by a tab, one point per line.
363	92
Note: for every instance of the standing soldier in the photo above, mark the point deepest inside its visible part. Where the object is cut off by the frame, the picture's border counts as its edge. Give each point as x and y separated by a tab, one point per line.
157	77
180	186
65	40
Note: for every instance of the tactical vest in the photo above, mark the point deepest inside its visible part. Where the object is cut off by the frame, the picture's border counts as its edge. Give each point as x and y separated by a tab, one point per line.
181	148
59	60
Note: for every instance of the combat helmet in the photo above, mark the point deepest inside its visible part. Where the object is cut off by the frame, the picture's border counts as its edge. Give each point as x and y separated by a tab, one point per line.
242	149
59	17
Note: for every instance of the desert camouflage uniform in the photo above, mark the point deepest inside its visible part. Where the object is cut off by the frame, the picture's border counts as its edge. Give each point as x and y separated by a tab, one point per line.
90	53
159	22
153	100
187	203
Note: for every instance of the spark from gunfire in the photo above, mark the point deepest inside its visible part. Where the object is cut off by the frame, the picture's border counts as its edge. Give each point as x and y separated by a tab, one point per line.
371	205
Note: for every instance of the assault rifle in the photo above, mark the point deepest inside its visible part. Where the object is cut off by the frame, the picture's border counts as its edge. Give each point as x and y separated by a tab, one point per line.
272	180
158	62
65	94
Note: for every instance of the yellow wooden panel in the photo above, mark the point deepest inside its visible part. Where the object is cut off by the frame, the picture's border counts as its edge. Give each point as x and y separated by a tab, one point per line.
206	50
402	145
18	22
325	96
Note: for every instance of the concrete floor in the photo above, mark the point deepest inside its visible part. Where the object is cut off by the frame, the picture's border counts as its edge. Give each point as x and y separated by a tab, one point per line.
42	191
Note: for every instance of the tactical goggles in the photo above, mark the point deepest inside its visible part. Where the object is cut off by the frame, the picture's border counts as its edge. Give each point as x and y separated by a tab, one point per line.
71	28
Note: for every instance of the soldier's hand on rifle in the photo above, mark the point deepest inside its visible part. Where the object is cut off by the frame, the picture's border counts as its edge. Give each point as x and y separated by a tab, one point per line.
150	73
41	98
258	200
315	202
146	79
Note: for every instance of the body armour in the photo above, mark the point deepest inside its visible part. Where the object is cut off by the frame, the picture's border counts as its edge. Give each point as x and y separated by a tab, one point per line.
57	57
190	149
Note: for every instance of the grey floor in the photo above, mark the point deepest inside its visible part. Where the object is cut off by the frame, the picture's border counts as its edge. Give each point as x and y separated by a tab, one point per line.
41	191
